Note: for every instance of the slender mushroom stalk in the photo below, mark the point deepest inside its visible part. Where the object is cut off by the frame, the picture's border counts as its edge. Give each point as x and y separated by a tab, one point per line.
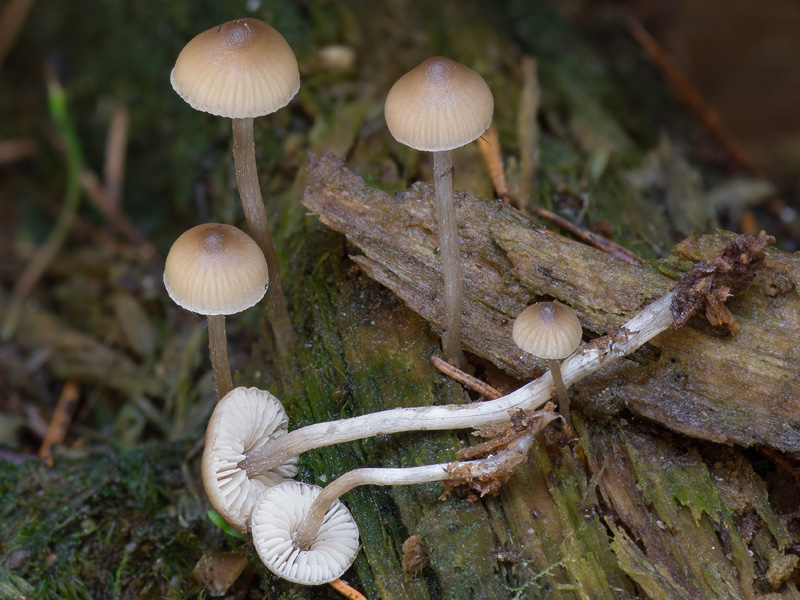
244	158
436	107
552	331
218	351
216	270
500	461
451	255
244	69
645	325
298	526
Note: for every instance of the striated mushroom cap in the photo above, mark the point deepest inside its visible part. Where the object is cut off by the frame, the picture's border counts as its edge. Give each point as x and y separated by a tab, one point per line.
439	105
548	330
215	269
242	68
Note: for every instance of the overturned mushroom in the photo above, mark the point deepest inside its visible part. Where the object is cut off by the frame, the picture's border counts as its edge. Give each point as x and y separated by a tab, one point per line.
244	419
302	532
276	517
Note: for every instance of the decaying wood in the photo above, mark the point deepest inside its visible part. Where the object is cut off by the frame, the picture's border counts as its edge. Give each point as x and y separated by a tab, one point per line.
741	388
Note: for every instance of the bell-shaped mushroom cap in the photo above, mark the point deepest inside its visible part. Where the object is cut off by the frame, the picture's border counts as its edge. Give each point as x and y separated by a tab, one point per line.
244	419
215	269
239	69
548	330
439	105
277	516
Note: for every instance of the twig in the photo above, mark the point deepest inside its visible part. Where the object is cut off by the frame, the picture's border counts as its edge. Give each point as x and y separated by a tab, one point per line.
97	195
690	95
57	105
11	21
489	145
491	156
59	423
116	146
613	248
14	150
473	383
346	591
528	130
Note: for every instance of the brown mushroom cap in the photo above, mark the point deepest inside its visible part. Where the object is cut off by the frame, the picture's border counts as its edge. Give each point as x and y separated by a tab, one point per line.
278	514
439	105
244	419
215	269
548	330
242	68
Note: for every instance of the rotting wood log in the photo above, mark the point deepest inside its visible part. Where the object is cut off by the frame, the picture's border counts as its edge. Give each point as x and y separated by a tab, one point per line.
742	388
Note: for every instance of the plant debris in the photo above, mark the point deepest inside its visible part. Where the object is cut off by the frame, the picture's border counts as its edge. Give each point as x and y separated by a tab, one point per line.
710	282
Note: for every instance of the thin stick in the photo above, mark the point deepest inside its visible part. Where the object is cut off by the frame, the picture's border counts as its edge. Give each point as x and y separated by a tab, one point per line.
11	21
611	247
59	423
473	383
450	254
489	145
528	130
499	181
345	590
689	94
116	147
244	157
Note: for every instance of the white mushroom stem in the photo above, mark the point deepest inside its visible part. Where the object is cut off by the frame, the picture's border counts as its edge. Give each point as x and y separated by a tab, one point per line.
484	468
561	389
244	157
450	253
218	350
645	325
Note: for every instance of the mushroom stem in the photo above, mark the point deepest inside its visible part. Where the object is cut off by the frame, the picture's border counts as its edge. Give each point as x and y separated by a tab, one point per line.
561	389
645	325
244	158
482	469
306	533
450	253
218	350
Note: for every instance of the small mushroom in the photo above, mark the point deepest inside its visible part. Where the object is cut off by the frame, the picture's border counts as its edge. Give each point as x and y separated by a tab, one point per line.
279	512
552	331
436	107
244	69
244	419
216	270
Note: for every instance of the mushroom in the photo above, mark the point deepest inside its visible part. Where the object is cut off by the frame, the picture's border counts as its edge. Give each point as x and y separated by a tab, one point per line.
305	534
438	106
244	69
244	419
552	331
278	513
652	320
216	270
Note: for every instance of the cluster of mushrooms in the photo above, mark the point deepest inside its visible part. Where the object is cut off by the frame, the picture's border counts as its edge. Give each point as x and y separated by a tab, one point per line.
243	69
